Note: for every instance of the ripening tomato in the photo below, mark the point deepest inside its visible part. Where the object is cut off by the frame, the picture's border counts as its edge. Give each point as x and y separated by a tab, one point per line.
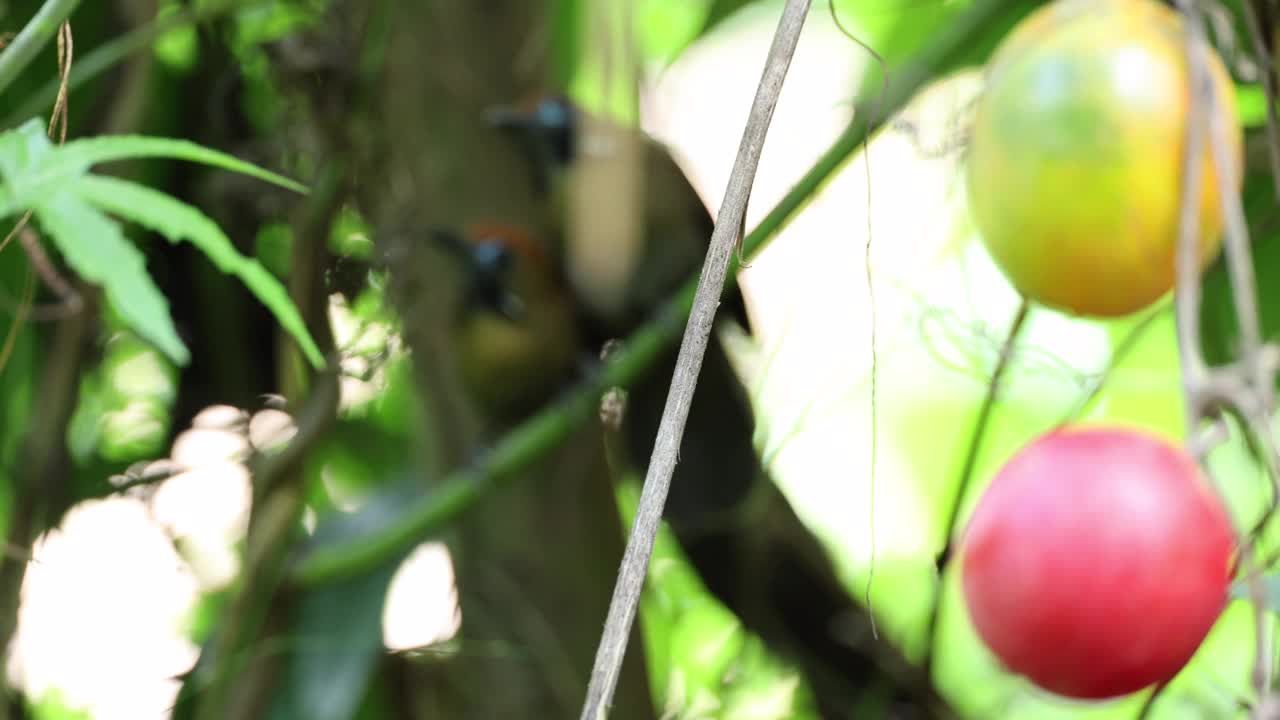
1074	166
1097	561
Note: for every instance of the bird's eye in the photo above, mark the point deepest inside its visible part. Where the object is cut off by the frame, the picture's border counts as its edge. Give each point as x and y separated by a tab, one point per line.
490	280
491	257
558	121
554	112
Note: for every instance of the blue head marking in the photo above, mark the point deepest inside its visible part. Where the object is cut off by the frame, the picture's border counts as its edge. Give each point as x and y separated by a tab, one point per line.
490	265
557	118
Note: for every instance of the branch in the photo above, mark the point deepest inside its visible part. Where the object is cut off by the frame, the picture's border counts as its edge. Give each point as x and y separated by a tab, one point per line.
666	448
1247	385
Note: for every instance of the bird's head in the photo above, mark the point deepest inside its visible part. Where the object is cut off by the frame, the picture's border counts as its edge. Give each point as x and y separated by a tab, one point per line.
516	331
503	267
547	126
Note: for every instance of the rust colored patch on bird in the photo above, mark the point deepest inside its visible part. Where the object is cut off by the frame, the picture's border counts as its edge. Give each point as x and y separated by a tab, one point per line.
514	236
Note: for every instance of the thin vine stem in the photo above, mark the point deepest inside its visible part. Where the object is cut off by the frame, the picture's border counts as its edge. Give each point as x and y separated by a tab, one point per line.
871	304
35	35
970	464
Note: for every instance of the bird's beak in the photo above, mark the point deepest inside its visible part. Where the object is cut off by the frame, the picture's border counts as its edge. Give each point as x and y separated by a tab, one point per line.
526	129
449	241
509	117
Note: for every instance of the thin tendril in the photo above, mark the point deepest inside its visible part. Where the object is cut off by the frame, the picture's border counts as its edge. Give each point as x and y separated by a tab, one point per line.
871	299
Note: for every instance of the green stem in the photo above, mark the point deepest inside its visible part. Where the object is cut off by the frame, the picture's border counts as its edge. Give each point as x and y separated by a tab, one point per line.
34	36
107	56
984	418
98	61
971	463
466	487
966	40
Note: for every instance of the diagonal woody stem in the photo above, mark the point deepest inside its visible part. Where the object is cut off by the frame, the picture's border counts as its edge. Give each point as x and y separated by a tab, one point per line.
635	561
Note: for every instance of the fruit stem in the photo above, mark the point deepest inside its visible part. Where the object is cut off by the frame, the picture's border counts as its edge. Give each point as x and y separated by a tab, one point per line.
970	463
984	417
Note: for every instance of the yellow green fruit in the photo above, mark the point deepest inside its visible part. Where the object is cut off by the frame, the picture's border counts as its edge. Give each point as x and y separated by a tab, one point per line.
1075	160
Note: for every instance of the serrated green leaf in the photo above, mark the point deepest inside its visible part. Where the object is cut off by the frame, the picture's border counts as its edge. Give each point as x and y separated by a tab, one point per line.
82	154
22	152
32	167
178	221
94	246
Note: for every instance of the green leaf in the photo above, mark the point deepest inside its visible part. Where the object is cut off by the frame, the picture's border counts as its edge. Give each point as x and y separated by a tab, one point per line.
22	152
178	221
719	11
38	175
338	628
94	246
338	625
666	29
1251	104
566	56
82	154
53	704
32	167
1219	329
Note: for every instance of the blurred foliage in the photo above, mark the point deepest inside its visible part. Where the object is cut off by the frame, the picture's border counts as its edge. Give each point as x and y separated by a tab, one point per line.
125	404
702	663
53	706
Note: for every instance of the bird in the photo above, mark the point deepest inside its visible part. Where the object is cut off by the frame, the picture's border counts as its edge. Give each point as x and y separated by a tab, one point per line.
613	297
734	525
553	542
618	274
516	331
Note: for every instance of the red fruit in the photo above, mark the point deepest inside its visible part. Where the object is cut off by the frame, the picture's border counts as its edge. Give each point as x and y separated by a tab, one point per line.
1097	561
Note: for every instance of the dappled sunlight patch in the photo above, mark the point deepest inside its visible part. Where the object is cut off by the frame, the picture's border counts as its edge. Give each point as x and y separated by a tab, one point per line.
271	429
220	417
205	510
422	601
101	615
367	339
200	446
